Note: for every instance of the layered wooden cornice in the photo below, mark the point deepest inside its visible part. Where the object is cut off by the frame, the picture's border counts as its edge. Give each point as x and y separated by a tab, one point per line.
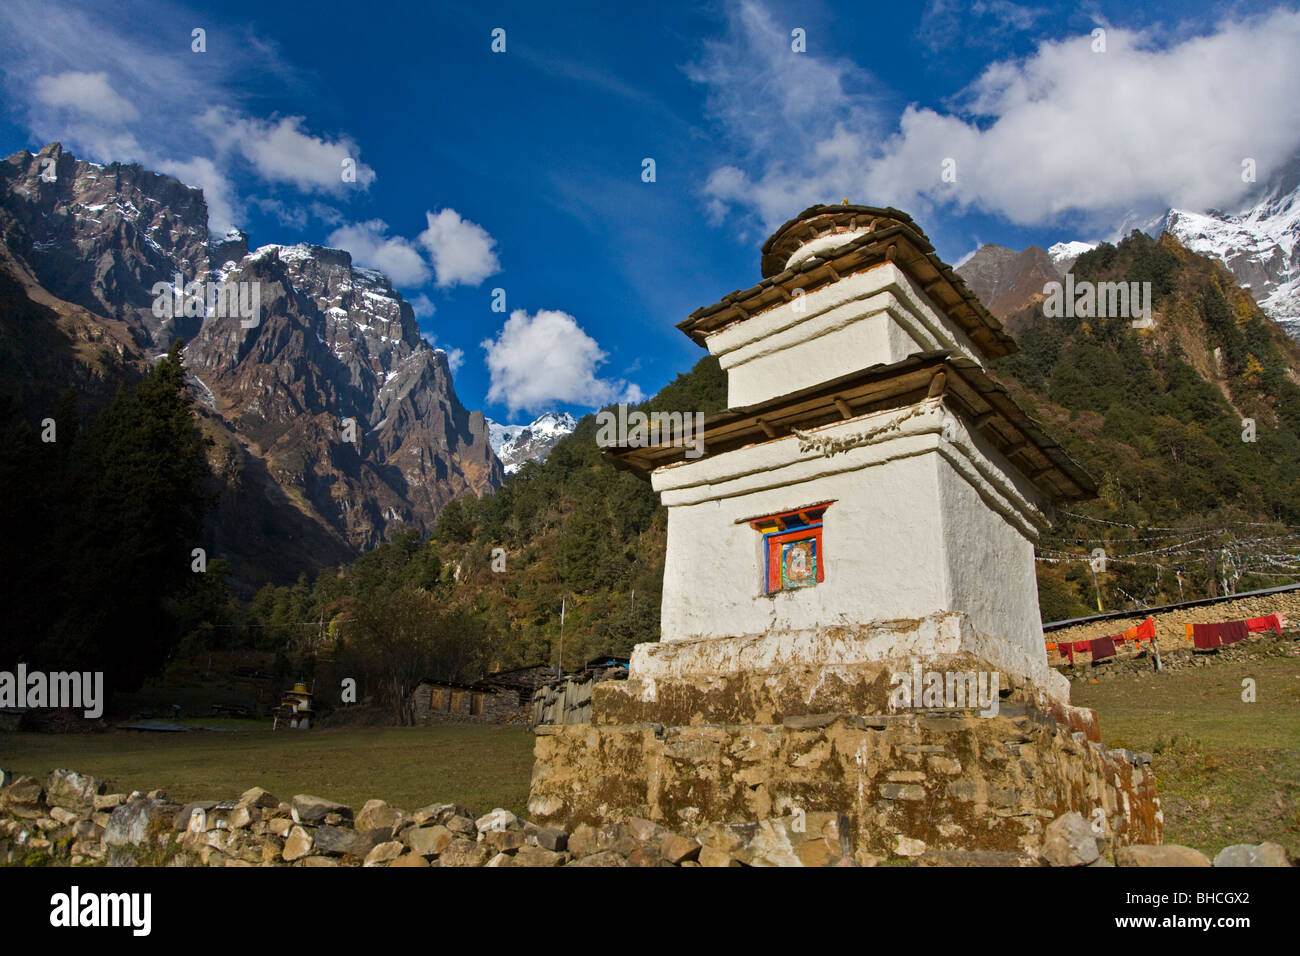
982	403
890	236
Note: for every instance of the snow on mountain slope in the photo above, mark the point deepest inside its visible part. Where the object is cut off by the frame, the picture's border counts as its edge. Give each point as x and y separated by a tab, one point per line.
1063	254
1258	245
516	444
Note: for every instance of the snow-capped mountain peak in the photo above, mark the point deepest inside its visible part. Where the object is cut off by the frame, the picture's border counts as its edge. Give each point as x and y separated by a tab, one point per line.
516	444
1258	244
1063	254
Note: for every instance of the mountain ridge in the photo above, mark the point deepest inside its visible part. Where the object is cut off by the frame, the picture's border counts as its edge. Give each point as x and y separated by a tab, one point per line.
331	342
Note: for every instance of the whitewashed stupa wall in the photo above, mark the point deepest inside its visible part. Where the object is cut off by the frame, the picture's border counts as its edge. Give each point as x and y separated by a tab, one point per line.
878	316
925	522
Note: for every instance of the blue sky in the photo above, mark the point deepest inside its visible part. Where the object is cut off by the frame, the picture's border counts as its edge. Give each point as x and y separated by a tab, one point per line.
522	170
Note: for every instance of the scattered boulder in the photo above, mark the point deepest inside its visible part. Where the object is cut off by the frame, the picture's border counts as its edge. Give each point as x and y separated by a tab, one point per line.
1246	854
410	859
462	825
1167	854
22	798
678	849
439	813
333	841
538	856
549	838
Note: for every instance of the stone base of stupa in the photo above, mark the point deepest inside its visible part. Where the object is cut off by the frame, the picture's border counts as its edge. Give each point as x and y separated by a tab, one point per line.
704	733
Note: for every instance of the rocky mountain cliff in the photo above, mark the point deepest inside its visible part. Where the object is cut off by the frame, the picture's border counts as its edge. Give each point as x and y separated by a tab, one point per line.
517	444
334	423
1258	245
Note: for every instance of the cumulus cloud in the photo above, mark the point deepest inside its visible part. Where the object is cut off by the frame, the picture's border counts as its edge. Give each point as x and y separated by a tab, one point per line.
1063	132
461	251
88	93
373	248
540	360
281	151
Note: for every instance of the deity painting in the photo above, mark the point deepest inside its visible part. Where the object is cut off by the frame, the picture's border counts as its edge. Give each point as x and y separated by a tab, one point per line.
799	563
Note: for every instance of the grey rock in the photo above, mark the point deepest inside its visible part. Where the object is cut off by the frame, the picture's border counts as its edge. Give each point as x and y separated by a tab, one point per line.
309	809
1069	841
134	822
1246	854
1168	854
68	788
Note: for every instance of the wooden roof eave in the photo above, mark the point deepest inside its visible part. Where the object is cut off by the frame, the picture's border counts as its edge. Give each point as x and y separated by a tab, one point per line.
990	410
898	243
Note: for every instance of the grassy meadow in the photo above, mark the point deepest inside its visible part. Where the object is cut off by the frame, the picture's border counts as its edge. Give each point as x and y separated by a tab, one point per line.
479	767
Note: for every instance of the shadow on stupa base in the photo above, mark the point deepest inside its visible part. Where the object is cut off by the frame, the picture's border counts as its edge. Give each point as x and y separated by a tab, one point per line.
840	736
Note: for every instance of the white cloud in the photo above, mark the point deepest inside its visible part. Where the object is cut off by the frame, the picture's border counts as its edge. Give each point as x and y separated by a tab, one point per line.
455	359
1063	132
538	361
281	152
371	247
462	251
88	93
422	307
217	189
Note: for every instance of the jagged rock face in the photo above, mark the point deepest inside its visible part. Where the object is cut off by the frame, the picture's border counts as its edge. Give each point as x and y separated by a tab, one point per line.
335	342
1007	281
517	444
102	236
329	342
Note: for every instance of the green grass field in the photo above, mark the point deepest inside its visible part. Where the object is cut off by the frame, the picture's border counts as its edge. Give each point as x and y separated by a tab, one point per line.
479	767
1227	771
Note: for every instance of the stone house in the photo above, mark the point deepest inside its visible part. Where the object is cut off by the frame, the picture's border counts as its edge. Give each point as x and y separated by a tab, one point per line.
437	701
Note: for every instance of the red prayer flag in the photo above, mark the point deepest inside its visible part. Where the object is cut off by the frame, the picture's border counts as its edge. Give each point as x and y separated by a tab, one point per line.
1205	636
1230	632
1102	648
1269	623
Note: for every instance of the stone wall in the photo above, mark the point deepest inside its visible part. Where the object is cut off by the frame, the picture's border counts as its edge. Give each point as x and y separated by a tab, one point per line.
905	783
67	820
1170	630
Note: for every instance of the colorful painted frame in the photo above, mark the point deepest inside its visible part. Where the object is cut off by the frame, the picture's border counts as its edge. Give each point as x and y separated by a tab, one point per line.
793	556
